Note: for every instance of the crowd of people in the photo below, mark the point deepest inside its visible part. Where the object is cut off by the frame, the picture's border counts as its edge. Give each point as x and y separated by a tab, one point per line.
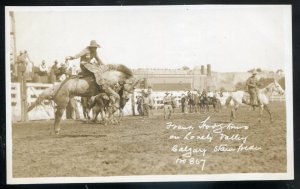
145	103
189	102
40	73
197	101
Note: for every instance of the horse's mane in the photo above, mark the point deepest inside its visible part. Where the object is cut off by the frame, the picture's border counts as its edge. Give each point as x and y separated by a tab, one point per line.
268	86
122	68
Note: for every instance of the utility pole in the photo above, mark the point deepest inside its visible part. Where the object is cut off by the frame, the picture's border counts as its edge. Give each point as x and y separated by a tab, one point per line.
13	35
23	84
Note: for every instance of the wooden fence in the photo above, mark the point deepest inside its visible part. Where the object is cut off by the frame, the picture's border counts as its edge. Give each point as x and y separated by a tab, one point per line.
46	109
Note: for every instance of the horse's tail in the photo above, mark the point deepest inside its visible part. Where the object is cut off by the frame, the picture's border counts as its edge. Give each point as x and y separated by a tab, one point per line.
47	94
121	68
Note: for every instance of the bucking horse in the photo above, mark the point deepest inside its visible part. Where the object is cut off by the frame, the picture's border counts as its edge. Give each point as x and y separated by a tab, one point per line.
86	86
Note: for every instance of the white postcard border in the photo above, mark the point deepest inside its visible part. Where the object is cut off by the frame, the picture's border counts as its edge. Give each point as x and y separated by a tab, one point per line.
289	175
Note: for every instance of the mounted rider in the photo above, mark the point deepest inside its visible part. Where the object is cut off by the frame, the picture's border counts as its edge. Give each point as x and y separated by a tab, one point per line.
88	56
90	63
252	88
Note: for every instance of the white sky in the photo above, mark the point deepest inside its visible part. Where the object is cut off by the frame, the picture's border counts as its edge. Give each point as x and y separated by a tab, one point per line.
230	38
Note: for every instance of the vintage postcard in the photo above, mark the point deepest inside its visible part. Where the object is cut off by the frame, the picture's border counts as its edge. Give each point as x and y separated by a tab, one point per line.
149	93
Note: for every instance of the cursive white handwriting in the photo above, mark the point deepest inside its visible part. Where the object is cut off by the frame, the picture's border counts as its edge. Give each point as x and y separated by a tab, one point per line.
189	151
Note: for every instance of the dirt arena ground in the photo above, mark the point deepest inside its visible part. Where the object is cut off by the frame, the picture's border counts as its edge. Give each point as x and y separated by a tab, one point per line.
141	146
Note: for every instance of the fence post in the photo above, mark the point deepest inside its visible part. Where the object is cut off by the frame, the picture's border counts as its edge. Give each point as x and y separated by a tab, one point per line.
23	89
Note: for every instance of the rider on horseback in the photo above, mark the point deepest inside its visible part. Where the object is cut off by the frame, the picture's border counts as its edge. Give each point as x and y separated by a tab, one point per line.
90	63
252	88
87	56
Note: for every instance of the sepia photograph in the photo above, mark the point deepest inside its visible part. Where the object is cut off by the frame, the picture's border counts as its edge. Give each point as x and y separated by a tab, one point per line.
149	93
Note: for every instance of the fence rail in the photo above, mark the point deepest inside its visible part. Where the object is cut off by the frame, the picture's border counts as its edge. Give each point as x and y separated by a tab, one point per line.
46	110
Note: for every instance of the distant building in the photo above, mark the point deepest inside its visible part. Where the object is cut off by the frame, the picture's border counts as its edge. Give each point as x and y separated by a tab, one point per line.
198	78
176	79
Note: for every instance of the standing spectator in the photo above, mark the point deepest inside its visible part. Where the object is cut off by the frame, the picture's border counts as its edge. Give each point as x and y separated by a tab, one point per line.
167	106
173	102
63	72
147	104
183	100
28	62
185	104
149	92
20	58
43	69
21	68
197	101
139	102
221	92
54	72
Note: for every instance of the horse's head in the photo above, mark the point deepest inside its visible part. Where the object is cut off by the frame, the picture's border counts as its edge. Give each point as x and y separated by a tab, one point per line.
130	84
128	87
277	88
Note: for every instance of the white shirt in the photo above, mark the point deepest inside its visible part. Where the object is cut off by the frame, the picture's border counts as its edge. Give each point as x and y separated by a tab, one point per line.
43	68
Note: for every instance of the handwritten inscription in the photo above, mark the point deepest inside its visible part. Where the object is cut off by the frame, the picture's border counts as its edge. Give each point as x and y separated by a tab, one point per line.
189	151
234	137
192	161
195	144
205	137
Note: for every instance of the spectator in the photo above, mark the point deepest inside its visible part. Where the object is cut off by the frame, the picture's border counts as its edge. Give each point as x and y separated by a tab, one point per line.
149	92
183	100
21	58
53	72
167	106
21	65
139	102
43	69
173	102
147	104
28	62
63	72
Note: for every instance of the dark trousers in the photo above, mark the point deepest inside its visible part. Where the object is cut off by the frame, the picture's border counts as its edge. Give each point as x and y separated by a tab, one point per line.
253	96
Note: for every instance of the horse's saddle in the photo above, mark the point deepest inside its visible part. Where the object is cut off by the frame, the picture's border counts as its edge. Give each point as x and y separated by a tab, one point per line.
99	70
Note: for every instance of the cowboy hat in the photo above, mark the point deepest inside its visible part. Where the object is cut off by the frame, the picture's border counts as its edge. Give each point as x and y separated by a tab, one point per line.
94	43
